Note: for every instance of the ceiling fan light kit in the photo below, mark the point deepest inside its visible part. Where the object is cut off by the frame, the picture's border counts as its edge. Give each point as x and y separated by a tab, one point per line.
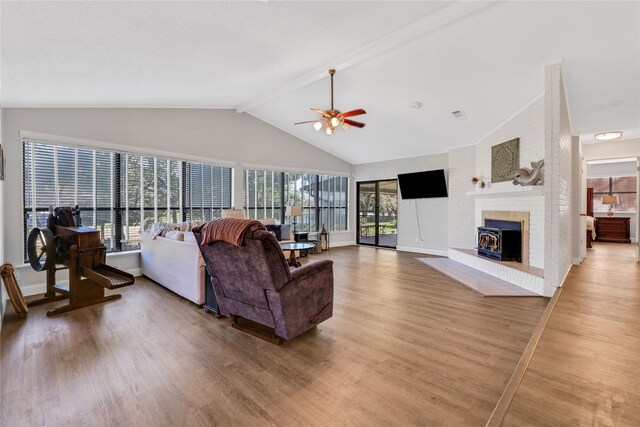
332	118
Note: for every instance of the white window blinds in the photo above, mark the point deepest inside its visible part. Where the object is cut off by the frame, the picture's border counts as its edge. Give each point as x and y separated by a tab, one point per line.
119	193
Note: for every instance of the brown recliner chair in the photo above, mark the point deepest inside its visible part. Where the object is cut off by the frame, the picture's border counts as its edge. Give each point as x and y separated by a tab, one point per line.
253	281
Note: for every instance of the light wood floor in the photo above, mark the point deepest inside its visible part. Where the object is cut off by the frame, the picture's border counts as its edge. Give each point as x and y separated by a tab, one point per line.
406	346
586	368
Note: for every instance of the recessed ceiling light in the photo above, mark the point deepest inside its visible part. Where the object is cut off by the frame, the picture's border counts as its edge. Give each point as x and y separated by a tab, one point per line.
608	136
416	105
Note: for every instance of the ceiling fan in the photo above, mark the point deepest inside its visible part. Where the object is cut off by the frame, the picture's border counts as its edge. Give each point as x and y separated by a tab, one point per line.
333	118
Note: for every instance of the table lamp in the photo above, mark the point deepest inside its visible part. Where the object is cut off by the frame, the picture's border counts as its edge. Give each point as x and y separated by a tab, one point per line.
611	200
294	212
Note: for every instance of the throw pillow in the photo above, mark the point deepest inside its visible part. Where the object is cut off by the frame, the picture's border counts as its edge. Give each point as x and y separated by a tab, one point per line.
156	229
275	229
175	235
189	237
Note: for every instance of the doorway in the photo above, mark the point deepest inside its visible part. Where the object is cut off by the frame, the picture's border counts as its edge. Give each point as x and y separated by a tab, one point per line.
613	204
378	213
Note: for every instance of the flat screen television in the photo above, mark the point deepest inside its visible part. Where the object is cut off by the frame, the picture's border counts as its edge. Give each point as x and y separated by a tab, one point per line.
423	185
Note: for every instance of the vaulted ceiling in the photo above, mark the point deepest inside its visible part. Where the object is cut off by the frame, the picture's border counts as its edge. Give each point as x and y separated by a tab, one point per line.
269	59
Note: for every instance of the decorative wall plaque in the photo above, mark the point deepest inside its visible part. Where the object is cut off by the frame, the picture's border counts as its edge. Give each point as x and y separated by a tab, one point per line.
505	159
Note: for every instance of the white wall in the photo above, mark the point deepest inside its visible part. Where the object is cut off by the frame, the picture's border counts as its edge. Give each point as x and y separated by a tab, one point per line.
578	204
558	182
612	149
605	170
192	133
528	125
432	213
462	221
3	296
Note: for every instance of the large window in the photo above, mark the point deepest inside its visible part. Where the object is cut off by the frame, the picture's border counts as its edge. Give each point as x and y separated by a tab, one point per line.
323	198
623	186
119	193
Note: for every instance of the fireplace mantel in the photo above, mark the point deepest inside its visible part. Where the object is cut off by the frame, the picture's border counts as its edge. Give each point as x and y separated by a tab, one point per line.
533	190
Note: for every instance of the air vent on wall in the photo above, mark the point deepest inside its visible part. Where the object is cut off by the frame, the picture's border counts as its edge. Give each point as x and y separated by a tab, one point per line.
459	114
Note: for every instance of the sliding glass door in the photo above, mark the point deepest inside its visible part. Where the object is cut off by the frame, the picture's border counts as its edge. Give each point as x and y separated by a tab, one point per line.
378	213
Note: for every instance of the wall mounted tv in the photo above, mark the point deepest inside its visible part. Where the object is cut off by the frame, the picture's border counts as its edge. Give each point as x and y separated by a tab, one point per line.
423	185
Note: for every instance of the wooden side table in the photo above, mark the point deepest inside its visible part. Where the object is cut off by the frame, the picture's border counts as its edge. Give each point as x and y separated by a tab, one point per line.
613	229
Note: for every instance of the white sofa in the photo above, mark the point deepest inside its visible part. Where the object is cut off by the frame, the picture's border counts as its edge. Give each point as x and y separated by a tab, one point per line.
178	265
174	264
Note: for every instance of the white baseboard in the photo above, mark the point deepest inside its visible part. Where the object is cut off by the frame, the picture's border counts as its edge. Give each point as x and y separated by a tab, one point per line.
135	272
35	289
565	276
40	288
340	244
438	252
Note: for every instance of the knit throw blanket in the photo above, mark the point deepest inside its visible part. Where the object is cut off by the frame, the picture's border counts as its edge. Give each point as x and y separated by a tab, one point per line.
230	230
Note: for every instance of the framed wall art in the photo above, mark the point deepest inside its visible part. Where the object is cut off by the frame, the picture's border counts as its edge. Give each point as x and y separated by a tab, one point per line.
505	159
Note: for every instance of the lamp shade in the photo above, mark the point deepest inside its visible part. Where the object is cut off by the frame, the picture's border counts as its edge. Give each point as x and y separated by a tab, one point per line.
611	199
233	213
294	210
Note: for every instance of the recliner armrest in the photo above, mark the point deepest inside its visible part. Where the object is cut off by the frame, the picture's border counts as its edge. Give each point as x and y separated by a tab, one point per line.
304	301
309	270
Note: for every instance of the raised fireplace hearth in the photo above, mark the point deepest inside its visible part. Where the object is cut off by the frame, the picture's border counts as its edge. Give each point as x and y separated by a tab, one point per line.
523	273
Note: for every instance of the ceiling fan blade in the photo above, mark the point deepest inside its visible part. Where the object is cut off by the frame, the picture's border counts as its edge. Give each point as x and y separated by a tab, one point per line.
308	121
354	123
354	113
319	111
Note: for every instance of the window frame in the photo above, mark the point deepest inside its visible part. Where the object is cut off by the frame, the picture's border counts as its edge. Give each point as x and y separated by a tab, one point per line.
611	178
319	210
116	181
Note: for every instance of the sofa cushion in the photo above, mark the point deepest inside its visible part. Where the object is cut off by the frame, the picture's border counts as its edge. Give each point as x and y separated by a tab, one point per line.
285	231
275	229
189	237
156	229
175	235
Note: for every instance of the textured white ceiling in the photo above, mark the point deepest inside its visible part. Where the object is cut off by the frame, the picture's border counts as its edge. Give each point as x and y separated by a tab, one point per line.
193	54
490	65
228	54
